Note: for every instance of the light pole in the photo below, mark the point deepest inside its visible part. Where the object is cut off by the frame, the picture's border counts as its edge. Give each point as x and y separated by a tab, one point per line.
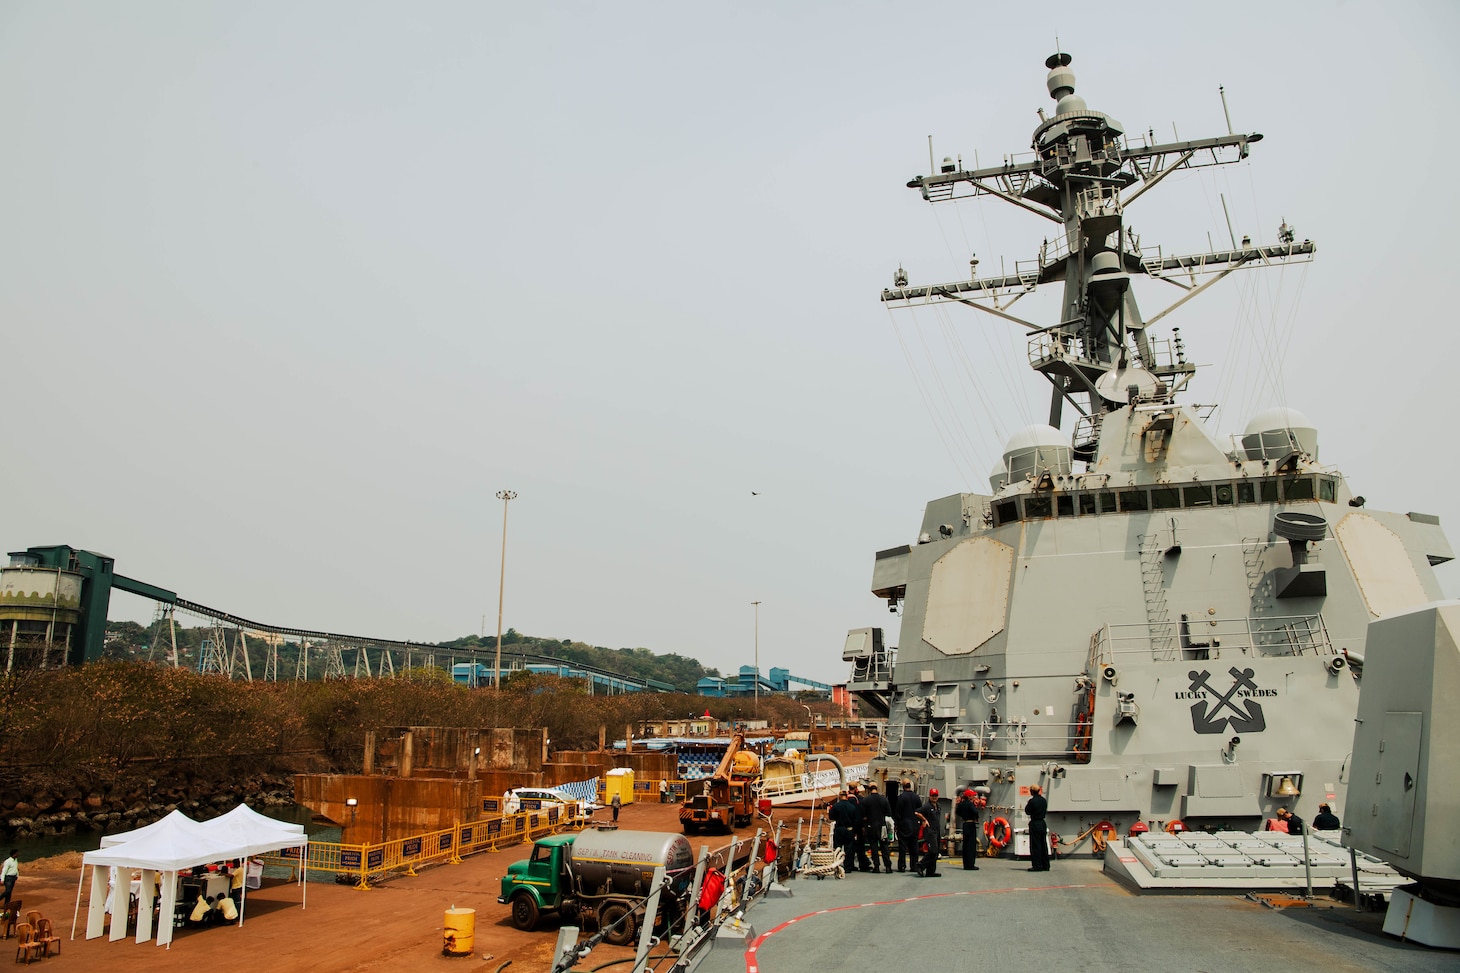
757	658
506	496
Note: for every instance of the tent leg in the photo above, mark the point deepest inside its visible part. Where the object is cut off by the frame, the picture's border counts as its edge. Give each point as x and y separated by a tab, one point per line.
167	909
118	897
77	911
96	906
144	905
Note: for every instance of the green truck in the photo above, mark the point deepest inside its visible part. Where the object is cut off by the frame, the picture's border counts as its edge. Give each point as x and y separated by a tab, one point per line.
598	875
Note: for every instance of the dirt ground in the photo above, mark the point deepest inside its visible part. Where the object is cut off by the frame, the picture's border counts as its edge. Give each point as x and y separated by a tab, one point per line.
396	925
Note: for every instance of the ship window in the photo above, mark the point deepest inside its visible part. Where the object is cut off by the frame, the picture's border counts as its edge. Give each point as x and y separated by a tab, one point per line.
1298	489
1164	498
1269	490
1133	500
1064	506
1245	493
1107	503
1201	496
1037	507
1327	489
1006	511
1087	504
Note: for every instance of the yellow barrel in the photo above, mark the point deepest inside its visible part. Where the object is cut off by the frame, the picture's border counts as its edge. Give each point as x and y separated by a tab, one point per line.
460	932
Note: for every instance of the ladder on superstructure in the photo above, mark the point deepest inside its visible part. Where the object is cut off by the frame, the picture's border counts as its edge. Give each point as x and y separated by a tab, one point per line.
1158	613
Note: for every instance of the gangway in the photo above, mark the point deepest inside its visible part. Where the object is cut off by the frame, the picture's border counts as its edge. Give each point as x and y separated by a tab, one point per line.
790	779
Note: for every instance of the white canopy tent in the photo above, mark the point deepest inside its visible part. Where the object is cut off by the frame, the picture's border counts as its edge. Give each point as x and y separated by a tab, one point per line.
245	819
174	819
162	849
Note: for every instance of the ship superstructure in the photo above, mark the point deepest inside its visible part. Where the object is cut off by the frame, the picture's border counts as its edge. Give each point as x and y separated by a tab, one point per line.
1152	621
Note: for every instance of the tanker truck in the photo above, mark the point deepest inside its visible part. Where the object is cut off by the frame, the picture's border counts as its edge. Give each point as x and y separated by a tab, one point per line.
601	876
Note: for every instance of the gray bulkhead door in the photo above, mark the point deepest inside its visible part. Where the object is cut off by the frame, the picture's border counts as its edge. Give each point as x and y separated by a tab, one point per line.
1398	780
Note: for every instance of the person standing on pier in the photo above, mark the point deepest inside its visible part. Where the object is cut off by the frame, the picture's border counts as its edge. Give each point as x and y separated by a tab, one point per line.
930	836
1038	830
876	812
859	829
10	871
843	815
967	811
905	815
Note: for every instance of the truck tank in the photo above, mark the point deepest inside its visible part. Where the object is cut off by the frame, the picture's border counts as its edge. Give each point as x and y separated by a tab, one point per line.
624	861
746	764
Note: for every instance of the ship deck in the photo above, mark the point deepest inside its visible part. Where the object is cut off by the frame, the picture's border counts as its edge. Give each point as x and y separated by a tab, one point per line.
1074	917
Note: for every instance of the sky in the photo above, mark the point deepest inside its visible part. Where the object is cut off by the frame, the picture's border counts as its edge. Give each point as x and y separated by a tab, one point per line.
291	290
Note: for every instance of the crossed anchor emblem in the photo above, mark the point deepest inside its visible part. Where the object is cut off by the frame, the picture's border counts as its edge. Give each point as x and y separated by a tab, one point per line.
1246	718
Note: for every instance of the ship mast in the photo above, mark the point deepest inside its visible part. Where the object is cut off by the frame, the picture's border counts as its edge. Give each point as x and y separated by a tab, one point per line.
1084	175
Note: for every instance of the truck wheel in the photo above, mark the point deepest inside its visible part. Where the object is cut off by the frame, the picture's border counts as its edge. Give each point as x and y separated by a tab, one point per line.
524	912
621	934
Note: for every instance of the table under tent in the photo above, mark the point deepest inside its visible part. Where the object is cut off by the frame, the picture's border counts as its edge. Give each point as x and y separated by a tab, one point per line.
162	849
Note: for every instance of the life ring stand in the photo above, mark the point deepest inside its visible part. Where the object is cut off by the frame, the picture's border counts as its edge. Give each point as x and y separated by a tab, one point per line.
1101	835
998	832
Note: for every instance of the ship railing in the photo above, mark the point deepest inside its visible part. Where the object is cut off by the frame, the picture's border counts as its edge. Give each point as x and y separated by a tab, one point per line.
1055	251
875	668
1209	637
1051	346
1087	432
1097	202
1061	157
1015	740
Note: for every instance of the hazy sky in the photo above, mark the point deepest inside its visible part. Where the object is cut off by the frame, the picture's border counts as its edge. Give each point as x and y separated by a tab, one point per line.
290	290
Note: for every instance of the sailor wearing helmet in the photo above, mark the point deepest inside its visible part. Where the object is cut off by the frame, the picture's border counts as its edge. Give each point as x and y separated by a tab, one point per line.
930	819
967	812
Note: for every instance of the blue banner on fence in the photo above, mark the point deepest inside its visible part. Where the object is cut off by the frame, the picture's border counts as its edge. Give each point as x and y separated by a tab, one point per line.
490	804
445	841
375	859
465	835
349	859
494	828
410	849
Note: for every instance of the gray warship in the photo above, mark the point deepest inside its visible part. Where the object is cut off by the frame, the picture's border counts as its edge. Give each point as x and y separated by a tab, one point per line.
1161	625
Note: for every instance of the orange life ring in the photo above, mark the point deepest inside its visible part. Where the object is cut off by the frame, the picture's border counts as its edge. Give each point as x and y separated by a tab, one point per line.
1101	834
1175	826
998	832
